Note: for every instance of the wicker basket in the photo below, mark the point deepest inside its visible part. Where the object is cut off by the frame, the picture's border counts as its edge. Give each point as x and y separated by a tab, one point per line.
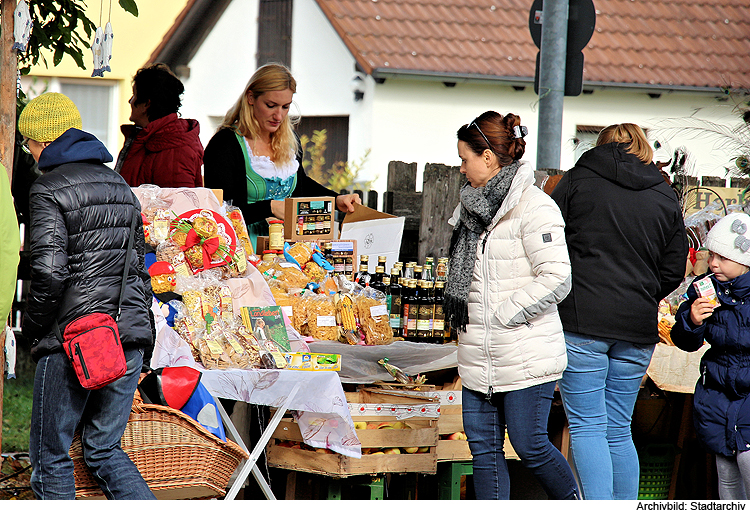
178	458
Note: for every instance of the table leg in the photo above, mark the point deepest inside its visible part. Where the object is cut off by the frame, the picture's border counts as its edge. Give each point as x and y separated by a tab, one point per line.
687	408
249	464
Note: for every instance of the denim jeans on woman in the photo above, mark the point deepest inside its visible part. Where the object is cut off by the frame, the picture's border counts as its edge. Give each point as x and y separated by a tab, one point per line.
599	389
525	413
60	403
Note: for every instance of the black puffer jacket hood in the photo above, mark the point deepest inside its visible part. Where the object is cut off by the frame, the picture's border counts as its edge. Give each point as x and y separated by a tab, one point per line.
627	244
613	163
81	212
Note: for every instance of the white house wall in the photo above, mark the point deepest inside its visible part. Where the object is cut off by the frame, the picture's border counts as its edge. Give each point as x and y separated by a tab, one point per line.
407	120
417	121
324	70
221	67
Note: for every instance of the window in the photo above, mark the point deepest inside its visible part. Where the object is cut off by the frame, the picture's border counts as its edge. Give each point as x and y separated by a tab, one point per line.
585	139
94	101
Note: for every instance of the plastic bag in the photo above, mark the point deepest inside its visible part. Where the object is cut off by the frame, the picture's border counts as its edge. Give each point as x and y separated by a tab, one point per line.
374	319
321	317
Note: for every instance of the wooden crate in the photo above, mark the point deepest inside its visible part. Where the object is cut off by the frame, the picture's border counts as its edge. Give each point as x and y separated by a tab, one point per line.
325	462
375	407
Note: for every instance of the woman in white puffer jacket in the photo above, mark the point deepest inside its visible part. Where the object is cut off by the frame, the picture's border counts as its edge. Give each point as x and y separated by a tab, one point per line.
509	268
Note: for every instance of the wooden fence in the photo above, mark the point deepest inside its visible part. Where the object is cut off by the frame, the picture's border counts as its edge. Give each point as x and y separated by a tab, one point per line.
426	228
426	212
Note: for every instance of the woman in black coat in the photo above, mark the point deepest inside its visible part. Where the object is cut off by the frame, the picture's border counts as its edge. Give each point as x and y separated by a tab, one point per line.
628	250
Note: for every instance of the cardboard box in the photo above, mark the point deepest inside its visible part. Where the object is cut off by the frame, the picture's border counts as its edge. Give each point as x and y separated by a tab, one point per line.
312	362
376	233
310	218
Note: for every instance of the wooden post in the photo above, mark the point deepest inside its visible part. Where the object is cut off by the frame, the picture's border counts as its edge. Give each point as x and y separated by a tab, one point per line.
402	199
441	188
8	76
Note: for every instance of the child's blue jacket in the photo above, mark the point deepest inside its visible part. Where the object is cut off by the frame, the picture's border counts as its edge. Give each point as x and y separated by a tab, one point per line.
721	405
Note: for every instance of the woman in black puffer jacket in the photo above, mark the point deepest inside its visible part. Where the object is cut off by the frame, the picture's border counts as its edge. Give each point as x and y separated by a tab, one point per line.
81	212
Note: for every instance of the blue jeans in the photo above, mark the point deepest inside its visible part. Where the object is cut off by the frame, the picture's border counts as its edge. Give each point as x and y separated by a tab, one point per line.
60	404
525	412
599	389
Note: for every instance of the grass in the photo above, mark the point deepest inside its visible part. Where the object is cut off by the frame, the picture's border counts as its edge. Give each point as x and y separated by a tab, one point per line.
17	398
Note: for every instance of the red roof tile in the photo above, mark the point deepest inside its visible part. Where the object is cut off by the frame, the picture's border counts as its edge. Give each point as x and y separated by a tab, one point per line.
698	44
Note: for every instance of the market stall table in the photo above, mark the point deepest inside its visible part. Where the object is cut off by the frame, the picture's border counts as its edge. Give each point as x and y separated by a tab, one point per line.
359	363
317	399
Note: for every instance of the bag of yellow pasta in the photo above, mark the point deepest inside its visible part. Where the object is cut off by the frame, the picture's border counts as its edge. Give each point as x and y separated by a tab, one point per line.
290	277
240	228
321	317
374	320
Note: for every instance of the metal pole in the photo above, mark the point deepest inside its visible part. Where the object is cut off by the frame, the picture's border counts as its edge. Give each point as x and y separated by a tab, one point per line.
552	82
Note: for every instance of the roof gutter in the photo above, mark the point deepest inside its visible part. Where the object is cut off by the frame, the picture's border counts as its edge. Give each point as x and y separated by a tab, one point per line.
381	74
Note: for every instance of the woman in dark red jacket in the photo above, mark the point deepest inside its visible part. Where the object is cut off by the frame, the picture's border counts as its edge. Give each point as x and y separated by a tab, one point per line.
160	148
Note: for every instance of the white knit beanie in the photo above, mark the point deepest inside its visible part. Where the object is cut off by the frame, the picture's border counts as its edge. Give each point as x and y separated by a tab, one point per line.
730	238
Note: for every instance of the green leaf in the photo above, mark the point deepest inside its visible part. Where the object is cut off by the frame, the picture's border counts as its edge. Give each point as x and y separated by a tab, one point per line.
129	6
59	52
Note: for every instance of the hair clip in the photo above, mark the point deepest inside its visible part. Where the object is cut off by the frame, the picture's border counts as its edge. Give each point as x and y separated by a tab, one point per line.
520	131
742	243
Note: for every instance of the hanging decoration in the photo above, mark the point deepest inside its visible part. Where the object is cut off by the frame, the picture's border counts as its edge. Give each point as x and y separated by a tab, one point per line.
97	48
102	45
21	26
107	47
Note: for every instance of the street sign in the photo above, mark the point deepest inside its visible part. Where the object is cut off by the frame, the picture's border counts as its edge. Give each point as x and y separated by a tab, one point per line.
581	24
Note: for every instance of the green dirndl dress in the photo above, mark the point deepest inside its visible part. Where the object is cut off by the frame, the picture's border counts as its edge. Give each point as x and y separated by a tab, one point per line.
260	188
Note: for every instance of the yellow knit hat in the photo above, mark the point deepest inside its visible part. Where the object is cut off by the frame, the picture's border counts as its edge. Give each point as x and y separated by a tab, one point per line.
46	117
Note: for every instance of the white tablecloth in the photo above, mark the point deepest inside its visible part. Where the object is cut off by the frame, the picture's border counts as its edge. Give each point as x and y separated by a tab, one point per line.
319	406
359	363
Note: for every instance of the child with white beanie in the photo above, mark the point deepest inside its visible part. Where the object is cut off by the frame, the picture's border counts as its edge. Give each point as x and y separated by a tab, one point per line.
721	405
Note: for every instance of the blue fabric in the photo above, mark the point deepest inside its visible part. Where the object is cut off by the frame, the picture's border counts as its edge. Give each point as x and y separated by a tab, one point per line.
201	407
525	412
150	258
599	388
74	146
721	403
59	404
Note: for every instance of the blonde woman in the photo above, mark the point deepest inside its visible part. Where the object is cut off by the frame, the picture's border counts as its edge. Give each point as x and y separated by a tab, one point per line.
255	156
628	249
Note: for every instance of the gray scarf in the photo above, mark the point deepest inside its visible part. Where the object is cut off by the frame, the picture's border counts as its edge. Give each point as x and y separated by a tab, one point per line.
478	207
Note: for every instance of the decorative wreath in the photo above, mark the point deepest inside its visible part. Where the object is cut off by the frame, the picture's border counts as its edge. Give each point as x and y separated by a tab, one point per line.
209	231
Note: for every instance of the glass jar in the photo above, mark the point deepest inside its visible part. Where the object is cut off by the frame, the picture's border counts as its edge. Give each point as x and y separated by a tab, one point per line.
276	235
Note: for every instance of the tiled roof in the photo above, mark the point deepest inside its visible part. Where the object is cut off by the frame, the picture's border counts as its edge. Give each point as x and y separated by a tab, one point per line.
687	44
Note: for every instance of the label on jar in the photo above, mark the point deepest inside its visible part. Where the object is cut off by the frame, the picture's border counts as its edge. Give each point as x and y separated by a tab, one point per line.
276	240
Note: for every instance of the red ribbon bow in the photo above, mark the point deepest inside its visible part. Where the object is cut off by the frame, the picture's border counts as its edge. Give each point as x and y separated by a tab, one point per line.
208	245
